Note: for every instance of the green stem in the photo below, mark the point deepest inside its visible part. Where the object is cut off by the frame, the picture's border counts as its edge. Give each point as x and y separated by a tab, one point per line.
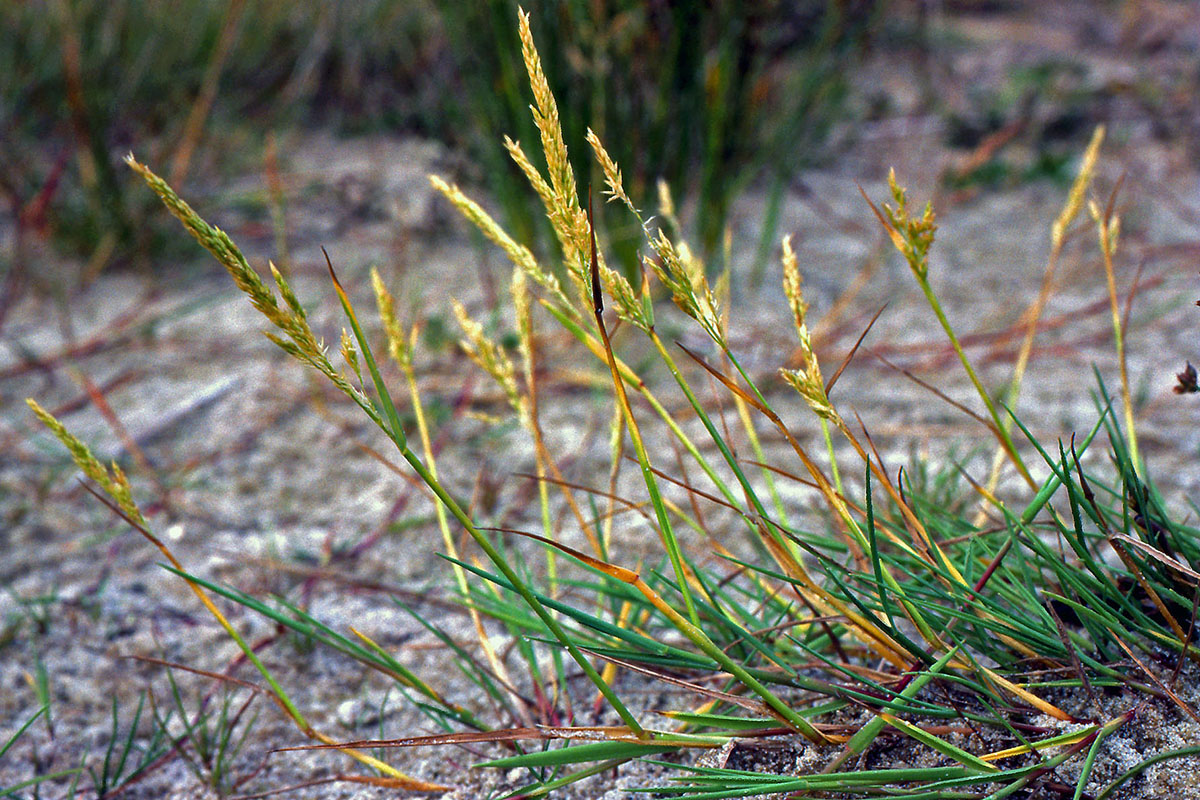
1001	429
522	589
660	510
396	433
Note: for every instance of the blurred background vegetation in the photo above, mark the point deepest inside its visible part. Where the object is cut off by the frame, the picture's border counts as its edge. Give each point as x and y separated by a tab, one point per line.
708	95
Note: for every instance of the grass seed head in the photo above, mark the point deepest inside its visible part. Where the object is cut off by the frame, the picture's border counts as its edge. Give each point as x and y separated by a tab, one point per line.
1108	227
566	215
114	483
301	342
1087	170
912	236
491	358
612	173
519	254
682	273
544	191
792	289
545	115
399	347
350	354
666	204
216	242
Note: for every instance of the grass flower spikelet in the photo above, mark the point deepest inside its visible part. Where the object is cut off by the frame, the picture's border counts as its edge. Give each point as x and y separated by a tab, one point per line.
912	236
612	173
1075	197
490	357
114	483
543	189
519	254
399	347
301	342
545	115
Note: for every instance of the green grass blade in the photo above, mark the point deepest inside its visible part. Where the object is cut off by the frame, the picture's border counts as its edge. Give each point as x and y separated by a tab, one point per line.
21	730
579	754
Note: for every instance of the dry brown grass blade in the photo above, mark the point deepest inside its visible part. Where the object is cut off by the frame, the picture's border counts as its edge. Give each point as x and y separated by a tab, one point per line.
1132	566
832	320
1134	288
993	143
96	396
194	126
1025	695
1111	205
894	234
630	505
369	780
753	706
1191	632
557	479
929	387
593	733
850	356
1185	707
545	733
727	382
692	491
800	479
1073	654
1158	556
931	356
468	737
990	501
350	580
216	676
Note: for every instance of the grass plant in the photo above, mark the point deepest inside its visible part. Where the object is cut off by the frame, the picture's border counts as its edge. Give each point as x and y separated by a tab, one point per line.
975	645
117	768
209	742
126	757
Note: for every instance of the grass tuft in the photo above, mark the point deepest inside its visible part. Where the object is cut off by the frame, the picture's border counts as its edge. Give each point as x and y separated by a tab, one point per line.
894	623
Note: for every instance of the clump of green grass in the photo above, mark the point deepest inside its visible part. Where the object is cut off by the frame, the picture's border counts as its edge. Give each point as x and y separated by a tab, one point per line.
705	96
898	619
126	758
1044	106
85	80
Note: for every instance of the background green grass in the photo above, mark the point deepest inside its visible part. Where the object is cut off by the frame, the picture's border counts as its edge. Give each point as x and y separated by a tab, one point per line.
709	96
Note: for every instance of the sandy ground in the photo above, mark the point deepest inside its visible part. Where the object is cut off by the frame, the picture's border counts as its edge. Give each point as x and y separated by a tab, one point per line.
257	475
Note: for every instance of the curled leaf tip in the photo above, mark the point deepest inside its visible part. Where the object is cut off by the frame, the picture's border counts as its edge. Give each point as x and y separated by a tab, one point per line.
332	274
597	297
